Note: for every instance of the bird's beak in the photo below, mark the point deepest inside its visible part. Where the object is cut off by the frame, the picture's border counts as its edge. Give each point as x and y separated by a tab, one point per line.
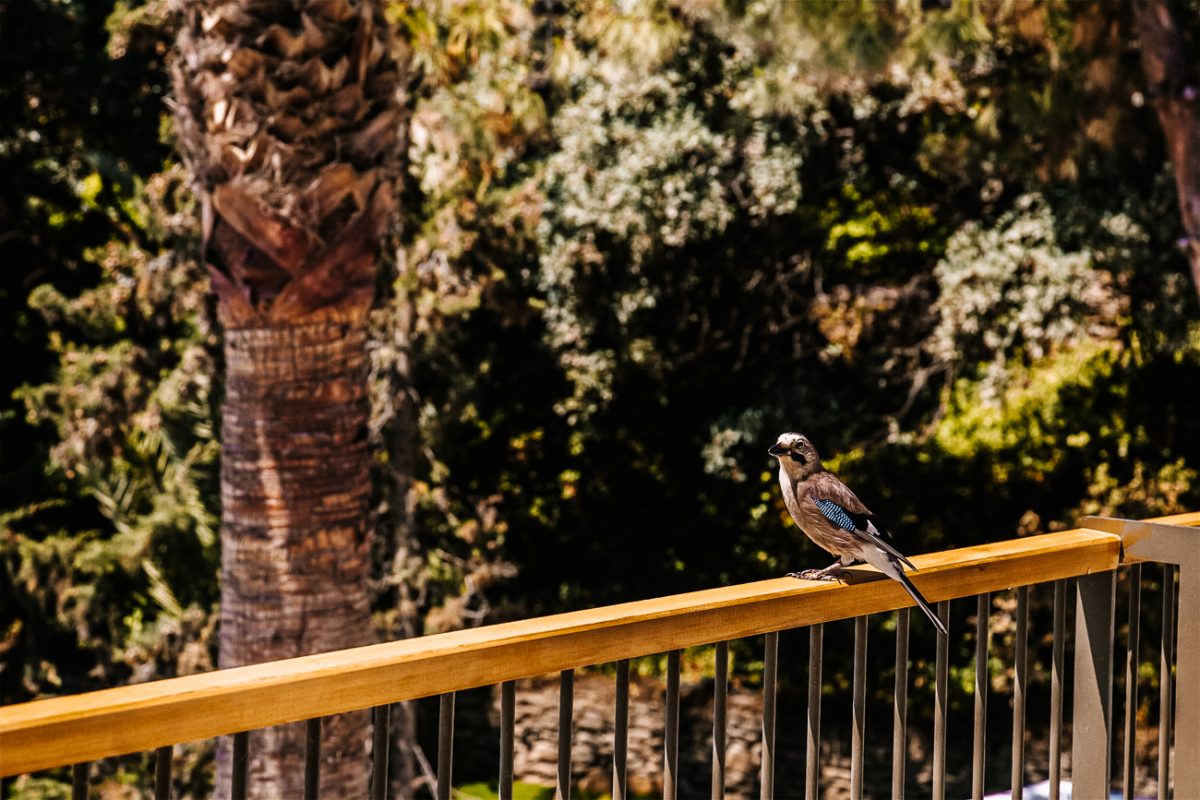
775	450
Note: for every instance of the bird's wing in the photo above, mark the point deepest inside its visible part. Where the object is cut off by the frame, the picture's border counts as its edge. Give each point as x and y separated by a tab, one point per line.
842	507
826	486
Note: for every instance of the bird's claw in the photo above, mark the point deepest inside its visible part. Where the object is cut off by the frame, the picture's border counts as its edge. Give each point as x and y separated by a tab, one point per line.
814	575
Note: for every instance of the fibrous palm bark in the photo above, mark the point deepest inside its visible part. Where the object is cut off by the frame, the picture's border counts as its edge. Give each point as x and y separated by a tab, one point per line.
288	115
1174	84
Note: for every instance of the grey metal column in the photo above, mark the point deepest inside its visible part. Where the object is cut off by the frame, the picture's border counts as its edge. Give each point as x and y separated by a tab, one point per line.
241	762
900	705
940	705
1187	685
1132	647
1057	672
812	769
445	754
1166	658
1020	674
79	780
983	609
380	725
1173	544
720	702
671	730
1091	761
508	709
770	672
566	713
858	730
620	729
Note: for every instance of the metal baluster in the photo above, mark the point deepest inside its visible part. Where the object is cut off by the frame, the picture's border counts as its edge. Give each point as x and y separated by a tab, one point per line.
566	708
445	755
983	635
1058	660
812	769
900	711
162	773
381	721
671	730
770	673
859	708
939	709
312	758
508	703
621	729
1132	645
1020	672
241	762
79	780
1166	708
720	690
1091	732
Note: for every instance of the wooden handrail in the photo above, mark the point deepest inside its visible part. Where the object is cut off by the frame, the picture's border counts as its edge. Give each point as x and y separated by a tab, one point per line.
60	731
64	730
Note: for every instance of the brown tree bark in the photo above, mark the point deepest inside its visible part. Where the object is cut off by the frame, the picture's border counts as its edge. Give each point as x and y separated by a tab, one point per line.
1174	89
295	488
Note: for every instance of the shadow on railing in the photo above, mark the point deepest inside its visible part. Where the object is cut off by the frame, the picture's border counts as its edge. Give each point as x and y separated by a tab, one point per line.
155	716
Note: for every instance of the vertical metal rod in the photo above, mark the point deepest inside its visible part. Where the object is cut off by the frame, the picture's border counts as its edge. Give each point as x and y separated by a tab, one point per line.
312	758
720	691
621	729
940	689
1133	642
241	763
770	673
508	705
1020	675
162	773
941	679
1091	759
79	780
671	730
445	754
1187	682
380	723
812	769
900	711
1058	661
983	634
566	708
859	697
1165	707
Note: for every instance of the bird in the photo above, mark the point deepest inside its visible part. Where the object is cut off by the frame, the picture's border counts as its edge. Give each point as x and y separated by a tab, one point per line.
833	517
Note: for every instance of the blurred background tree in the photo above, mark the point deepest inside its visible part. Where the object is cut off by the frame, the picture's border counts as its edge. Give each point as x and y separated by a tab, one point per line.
939	238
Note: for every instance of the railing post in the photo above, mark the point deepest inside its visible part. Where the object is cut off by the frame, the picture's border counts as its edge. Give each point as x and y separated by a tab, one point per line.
1187	682
1091	767
1172	544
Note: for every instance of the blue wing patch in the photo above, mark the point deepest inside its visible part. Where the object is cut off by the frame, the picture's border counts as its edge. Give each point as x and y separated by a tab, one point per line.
836	514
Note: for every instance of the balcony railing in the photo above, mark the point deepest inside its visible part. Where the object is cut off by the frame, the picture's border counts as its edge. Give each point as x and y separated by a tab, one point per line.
155	716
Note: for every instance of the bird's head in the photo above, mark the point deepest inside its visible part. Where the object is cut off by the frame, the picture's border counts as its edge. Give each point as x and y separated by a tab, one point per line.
796	454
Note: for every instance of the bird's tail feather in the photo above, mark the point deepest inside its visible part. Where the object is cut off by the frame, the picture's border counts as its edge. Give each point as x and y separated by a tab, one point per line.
921	601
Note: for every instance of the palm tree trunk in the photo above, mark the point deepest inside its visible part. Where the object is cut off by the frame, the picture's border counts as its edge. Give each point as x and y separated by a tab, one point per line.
289	115
295	491
1175	90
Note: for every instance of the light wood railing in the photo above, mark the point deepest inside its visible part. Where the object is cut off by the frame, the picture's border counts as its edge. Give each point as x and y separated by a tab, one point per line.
154	716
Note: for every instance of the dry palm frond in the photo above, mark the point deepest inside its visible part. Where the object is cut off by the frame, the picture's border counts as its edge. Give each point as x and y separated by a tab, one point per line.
289	117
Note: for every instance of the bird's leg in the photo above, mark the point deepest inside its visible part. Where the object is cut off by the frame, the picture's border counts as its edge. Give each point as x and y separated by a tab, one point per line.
831	573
